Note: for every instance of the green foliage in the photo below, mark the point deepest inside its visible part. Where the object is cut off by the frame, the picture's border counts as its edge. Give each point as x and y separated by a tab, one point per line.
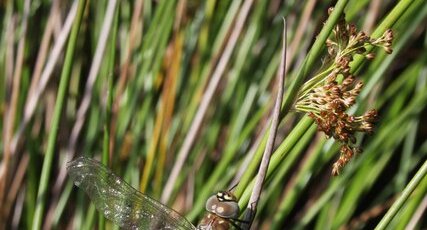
153	76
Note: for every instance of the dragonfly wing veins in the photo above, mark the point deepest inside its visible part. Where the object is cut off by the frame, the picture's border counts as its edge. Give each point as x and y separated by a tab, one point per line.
119	201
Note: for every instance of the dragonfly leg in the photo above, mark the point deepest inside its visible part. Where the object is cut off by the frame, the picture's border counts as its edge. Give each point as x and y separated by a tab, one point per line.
240	224
248	218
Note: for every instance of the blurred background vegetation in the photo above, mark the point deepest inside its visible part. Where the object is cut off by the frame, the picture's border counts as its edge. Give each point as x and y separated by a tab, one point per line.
150	86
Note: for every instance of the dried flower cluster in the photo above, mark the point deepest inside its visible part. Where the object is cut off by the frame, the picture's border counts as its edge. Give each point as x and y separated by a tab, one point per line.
328	95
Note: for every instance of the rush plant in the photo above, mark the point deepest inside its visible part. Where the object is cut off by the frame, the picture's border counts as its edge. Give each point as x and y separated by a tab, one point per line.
175	98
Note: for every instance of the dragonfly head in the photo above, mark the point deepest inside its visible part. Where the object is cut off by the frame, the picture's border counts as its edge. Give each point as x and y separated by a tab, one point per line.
223	204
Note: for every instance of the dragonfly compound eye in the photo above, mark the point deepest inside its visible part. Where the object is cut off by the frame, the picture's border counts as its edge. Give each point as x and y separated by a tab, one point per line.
224	206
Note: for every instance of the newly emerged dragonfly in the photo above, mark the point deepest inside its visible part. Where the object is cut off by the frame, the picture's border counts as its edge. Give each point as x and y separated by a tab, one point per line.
130	209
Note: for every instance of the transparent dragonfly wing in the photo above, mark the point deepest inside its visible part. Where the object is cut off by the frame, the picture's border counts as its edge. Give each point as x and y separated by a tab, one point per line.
120	202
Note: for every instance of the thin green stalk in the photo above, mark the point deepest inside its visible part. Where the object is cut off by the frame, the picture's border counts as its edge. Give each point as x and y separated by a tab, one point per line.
281	152
89	218
387	23
224	164
107	122
32	183
108	109
408	212
207	97
251	210
303	177
59	104
232	144
391	213
62	204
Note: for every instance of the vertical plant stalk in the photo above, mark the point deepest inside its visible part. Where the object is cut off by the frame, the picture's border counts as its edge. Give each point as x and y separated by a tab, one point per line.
110	15
166	105
132	43
87	98
290	55
152	149
53	207
206	99
93	73
16	186
11	115
59	104
84	105
275	117
372	15
391	213
418	215
302	28
136	30
54	17
33	98
169	93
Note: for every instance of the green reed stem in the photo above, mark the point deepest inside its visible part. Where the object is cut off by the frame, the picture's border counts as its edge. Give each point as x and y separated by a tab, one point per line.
59	105
422	172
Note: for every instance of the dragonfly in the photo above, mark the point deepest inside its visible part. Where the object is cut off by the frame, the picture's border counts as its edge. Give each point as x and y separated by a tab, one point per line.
131	209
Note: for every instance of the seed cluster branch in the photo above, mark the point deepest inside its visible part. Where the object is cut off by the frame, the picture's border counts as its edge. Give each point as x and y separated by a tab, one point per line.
327	96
